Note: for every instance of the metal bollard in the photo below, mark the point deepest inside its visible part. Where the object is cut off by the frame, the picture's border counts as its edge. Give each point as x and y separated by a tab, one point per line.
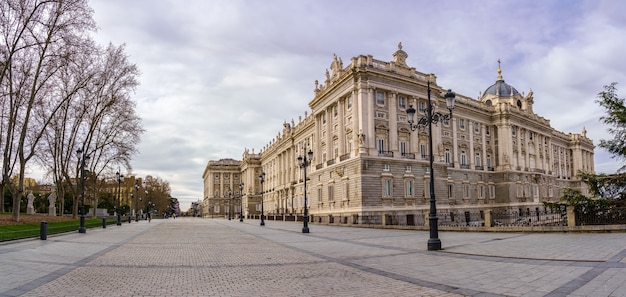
104	223
129	219
43	230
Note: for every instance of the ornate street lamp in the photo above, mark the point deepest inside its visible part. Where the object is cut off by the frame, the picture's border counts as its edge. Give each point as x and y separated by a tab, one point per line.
430	117
82	158
241	202
119	197
304	162
262	180
136	201
230	199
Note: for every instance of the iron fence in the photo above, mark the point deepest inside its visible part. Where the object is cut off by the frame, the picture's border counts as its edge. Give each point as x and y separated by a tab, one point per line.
604	216
461	219
537	217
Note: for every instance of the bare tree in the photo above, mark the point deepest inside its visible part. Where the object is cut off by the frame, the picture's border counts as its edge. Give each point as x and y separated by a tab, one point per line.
102	123
40	39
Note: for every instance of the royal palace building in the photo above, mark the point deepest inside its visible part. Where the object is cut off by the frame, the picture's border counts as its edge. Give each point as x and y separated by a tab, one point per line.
369	167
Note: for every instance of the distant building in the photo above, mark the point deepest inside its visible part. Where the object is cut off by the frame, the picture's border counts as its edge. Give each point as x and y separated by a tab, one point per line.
221	187
369	167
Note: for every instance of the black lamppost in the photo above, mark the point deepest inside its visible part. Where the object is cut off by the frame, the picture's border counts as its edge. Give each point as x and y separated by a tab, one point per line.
241	202
82	158
119	197
230	199
136	201
304	162
262	180
148	210
429	118
145	188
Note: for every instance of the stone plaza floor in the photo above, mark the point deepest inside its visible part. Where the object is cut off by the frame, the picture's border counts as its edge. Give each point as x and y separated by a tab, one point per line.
217	257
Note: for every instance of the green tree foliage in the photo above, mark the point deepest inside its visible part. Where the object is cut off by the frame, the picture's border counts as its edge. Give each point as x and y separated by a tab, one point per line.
616	120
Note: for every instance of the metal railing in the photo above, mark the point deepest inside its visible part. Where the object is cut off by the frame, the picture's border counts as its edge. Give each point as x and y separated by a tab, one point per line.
604	216
546	217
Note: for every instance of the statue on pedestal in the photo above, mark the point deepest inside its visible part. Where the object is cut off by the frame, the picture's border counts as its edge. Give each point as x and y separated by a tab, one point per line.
52	210
30	209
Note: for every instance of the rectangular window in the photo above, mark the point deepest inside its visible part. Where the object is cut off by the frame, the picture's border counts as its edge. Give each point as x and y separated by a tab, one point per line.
380	98
402	148
450	191
346	191
319	195
487	130
492	191
387	188
463	158
407	168
481	192
421	106
381	115
423	151
488	160
476	127
385	167
462	124
381	145
478	160
408	188
402	102
466	191
550	191
447	156
349	103
331	190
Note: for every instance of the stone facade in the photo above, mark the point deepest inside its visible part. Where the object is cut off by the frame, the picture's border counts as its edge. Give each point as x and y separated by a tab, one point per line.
369	167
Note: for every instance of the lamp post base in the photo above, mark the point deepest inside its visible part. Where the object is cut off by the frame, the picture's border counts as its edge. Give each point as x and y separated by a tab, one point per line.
119	219
305	229
82	228
434	244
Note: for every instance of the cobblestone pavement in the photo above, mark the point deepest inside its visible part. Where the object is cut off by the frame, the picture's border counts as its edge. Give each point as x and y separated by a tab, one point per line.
206	257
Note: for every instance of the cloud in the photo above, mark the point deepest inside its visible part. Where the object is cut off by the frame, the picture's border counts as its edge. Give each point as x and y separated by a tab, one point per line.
220	76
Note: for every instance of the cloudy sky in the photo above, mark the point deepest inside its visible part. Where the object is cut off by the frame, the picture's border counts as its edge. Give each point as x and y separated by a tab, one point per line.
220	76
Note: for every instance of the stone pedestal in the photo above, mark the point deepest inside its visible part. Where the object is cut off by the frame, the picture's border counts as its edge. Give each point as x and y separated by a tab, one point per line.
52	211
30	210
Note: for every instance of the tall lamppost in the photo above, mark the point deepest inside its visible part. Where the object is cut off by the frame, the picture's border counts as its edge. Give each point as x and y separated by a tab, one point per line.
136	201
429	118
145	188
262	180
119	197
241	202
230	199
82	158
304	162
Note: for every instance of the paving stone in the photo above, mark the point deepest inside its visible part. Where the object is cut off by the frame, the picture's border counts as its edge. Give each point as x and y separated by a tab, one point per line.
216	257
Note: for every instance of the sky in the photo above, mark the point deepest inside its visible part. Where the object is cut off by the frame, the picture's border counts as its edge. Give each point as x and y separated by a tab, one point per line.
221	76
